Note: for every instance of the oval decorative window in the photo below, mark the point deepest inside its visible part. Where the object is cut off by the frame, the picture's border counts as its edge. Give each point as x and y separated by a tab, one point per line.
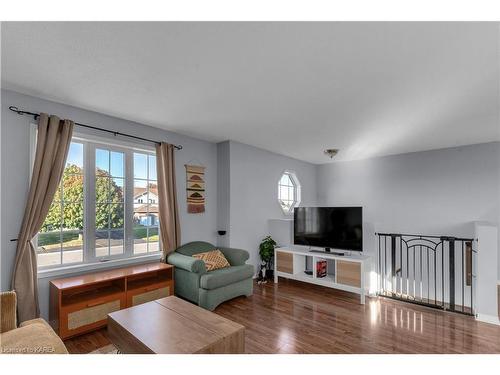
288	192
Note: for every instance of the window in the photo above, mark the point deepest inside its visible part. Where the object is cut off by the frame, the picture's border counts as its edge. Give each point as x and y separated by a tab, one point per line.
146	239
109	202
98	211
288	192
60	240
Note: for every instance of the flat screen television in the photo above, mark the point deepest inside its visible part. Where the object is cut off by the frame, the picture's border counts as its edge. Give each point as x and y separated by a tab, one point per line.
329	227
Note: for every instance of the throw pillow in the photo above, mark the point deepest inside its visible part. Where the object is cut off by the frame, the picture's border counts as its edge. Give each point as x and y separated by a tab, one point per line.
213	259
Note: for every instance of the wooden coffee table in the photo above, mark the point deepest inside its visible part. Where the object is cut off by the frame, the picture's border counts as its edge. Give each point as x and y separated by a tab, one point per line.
171	325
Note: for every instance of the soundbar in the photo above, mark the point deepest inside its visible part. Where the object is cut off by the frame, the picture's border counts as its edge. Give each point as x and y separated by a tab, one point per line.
327	252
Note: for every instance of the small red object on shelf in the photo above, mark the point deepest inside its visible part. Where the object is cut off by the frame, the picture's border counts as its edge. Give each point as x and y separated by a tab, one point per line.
321	268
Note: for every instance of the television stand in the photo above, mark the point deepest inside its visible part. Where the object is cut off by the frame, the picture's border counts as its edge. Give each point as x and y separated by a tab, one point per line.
345	272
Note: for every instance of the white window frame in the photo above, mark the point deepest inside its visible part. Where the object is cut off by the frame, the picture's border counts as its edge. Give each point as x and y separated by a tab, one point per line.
90	143
296	192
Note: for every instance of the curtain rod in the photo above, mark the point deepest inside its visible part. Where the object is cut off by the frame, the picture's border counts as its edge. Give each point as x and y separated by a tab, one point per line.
35	115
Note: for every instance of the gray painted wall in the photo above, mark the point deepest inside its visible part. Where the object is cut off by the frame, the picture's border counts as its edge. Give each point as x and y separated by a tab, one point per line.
433	192
15	172
254	176
223	192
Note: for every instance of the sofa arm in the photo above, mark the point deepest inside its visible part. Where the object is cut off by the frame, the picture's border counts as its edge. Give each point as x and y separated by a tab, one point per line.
236	257
8	307
186	263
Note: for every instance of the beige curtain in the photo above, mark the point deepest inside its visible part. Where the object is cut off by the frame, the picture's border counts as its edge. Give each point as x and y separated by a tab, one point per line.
170	231
53	140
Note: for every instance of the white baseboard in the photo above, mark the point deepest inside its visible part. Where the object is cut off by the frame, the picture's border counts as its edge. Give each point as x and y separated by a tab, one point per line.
492	319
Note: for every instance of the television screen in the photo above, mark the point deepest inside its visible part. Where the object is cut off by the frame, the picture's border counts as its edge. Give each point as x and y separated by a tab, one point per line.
332	227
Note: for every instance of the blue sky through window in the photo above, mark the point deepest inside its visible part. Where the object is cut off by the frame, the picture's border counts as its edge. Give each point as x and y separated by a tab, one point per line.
113	162
140	165
152	167
117	164
102	159
75	155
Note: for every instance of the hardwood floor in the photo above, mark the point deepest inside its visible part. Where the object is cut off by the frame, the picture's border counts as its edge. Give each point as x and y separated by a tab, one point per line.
294	317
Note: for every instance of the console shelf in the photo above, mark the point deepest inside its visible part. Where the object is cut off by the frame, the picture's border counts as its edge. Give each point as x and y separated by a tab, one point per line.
348	272
80	304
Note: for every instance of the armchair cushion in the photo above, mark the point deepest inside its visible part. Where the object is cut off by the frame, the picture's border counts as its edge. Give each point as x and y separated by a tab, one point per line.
187	263
33	337
226	276
8	306
195	247
236	257
35	321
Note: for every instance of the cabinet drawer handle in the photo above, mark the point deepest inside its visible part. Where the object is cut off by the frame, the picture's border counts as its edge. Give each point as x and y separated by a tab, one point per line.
92	304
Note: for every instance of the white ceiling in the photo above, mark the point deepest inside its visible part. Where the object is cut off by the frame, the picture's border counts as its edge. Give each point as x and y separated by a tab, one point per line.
369	89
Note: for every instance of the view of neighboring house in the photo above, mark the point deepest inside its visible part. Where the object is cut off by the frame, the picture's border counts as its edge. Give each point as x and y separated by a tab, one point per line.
146	205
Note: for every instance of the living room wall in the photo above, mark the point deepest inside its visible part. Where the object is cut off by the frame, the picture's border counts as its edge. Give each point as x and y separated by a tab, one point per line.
252	180
15	140
438	192
432	192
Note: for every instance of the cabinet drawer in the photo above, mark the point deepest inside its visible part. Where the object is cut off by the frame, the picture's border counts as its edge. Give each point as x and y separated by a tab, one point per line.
77	320
284	262
147	294
349	273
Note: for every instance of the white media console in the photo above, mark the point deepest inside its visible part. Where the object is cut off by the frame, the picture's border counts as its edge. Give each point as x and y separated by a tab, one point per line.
345	272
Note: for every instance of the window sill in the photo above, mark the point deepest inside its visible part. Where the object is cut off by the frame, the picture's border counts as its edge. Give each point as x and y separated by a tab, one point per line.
98	266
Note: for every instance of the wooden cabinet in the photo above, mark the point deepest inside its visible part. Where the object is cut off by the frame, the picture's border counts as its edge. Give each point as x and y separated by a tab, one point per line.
349	273
284	262
145	289
81	304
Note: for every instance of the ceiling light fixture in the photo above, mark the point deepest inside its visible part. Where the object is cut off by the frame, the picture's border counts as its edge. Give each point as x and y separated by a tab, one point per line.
331	152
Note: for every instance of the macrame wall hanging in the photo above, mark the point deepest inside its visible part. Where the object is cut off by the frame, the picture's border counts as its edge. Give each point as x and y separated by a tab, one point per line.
195	189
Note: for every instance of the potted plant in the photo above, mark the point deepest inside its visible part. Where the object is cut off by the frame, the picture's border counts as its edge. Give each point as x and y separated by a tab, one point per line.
266	252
